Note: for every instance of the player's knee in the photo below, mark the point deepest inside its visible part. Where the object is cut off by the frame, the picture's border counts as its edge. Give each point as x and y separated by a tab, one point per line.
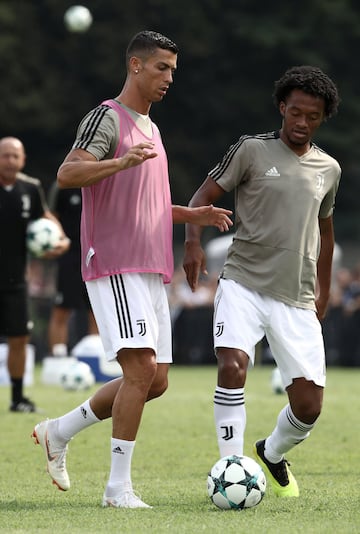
149	370
231	370
157	389
139	367
159	384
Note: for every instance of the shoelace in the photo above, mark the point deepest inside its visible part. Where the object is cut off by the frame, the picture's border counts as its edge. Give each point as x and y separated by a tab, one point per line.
280	472
60	458
130	496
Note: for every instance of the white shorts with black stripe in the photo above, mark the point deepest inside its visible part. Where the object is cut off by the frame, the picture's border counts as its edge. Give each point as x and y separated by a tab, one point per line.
242	317
132	311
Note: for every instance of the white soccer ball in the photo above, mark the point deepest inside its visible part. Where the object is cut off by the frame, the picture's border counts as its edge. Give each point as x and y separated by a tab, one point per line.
78	19
78	376
236	482
42	235
276	382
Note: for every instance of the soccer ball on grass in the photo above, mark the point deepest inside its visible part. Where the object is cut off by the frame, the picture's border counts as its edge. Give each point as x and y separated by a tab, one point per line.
78	376
42	235
236	482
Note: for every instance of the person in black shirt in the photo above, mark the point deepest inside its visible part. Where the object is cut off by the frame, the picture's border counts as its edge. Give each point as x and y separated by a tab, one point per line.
21	200
71	294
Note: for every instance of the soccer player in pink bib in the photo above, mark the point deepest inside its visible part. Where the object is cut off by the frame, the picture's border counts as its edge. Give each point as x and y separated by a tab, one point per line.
119	161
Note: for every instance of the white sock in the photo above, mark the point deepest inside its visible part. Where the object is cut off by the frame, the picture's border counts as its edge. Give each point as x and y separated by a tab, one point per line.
289	431
120	471
66	426
230	420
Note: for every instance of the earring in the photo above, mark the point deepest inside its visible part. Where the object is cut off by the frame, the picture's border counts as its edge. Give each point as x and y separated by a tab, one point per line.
136	71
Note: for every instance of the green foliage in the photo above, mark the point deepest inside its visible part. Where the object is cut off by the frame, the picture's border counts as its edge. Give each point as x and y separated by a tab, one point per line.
230	54
175	449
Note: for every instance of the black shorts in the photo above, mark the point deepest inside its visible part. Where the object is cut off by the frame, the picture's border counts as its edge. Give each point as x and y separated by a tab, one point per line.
14	312
71	291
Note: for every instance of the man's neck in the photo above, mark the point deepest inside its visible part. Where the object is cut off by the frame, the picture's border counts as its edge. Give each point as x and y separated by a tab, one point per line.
134	101
5	182
299	150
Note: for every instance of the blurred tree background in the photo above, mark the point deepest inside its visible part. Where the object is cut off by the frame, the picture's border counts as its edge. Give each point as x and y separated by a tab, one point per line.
231	52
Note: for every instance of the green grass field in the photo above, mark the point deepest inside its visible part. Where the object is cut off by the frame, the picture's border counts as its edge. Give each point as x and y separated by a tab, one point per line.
176	447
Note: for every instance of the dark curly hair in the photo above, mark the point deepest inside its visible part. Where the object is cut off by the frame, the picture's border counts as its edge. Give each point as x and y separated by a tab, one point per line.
311	80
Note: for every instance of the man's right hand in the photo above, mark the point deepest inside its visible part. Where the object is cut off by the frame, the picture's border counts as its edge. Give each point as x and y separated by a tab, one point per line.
194	263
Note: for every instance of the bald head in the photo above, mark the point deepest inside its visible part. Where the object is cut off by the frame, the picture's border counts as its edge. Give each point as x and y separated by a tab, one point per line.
12	159
12	141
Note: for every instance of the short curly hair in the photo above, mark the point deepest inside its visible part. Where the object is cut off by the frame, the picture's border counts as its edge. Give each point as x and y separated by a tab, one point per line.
311	80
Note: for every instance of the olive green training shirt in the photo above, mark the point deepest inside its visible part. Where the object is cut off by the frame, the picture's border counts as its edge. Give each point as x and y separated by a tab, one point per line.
279	197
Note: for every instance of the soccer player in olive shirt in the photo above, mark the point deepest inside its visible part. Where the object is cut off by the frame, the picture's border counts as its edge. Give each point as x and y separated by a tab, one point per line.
276	278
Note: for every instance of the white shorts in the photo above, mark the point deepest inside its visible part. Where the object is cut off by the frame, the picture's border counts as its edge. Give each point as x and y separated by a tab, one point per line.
242	317
132	311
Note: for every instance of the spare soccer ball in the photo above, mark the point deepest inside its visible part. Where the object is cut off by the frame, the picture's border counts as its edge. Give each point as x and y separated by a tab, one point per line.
78	19
42	235
77	377
236	482
276	382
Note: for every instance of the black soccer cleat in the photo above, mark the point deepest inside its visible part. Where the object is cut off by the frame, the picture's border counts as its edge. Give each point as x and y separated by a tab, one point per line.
281	478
